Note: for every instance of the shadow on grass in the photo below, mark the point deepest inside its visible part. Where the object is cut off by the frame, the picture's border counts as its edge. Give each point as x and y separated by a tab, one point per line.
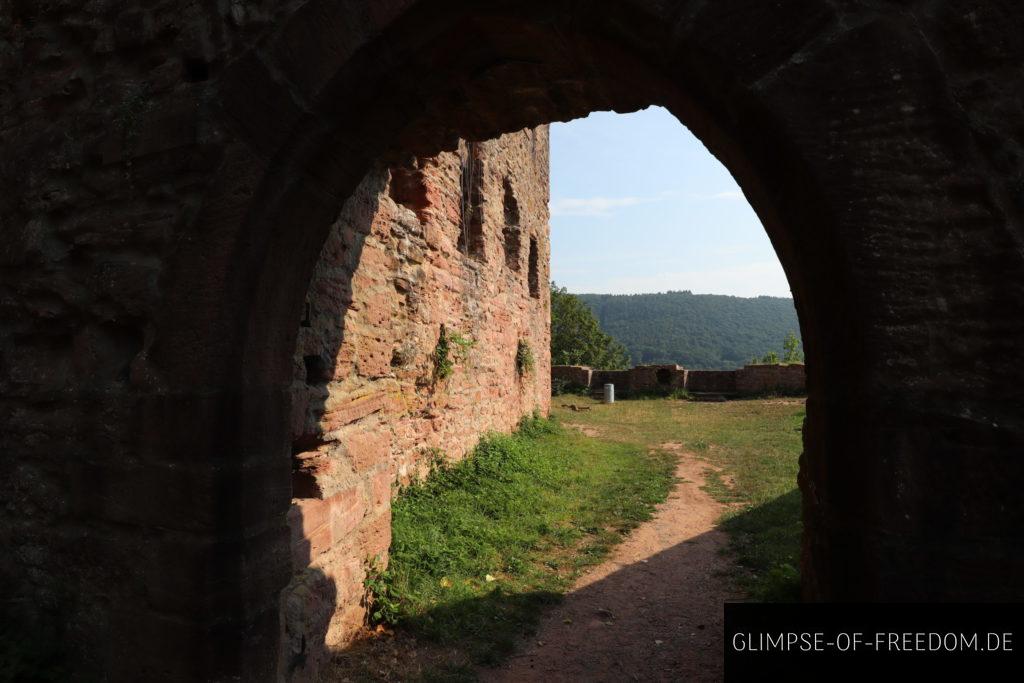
487	628
764	541
661	615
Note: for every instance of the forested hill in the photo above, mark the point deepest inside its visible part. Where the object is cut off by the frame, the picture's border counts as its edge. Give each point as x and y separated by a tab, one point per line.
706	331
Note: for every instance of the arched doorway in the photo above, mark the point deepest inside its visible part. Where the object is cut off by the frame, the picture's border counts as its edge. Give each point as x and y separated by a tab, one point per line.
893	214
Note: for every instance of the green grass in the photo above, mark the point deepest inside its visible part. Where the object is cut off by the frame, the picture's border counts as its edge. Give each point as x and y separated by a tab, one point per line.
482	546
533	509
752	448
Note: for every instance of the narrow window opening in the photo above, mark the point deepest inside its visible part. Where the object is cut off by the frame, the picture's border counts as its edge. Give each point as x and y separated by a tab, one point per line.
317	370
408	187
533	276
511	230
471	237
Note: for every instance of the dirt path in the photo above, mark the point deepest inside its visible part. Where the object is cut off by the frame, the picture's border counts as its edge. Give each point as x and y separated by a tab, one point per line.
651	612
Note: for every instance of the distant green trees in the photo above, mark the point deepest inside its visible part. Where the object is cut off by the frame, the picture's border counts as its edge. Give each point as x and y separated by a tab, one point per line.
576	336
698	331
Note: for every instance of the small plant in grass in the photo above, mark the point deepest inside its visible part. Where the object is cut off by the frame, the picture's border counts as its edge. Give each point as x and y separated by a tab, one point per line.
451	348
524	358
382	606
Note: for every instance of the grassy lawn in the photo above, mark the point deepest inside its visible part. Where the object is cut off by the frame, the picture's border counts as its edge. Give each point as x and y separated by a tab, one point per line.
482	546
752	448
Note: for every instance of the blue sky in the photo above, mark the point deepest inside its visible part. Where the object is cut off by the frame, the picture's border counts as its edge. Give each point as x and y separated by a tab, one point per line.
638	204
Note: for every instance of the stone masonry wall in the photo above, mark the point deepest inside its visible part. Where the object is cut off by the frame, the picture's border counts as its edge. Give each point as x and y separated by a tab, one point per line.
762	378
749	380
444	241
575	375
712	381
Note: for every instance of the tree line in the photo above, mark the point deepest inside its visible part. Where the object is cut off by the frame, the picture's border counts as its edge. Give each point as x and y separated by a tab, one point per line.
700	331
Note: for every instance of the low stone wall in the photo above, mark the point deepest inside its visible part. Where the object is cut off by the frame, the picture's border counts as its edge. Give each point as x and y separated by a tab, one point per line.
760	379
747	381
712	381
657	378
577	375
620	378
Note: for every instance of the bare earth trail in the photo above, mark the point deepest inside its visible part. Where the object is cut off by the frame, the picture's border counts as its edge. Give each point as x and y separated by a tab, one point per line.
651	612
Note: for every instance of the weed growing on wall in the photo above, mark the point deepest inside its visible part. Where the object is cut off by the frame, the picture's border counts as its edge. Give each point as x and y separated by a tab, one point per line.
451	348
524	358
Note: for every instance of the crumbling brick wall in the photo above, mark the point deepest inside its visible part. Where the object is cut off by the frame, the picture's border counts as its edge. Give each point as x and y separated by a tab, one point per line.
434	242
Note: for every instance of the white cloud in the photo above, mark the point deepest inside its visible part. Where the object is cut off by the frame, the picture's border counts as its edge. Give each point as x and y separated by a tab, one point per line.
605	206
592	206
749	279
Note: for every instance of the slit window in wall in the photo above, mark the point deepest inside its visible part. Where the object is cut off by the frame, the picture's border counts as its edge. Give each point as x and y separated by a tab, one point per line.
317	370
408	187
471	234
511	230
307	316
533	276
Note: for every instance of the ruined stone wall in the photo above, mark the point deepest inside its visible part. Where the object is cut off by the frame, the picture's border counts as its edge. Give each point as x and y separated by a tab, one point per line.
765	378
620	378
575	375
748	380
657	378
712	381
444	241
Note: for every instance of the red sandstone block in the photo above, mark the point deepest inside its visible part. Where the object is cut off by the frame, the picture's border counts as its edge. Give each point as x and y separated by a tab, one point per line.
375	535
308	514
344	569
350	411
374	357
347	509
380	489
318	525
308	548
367	449
345	625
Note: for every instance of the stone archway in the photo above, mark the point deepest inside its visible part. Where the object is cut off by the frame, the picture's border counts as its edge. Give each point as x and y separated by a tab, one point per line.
876	145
